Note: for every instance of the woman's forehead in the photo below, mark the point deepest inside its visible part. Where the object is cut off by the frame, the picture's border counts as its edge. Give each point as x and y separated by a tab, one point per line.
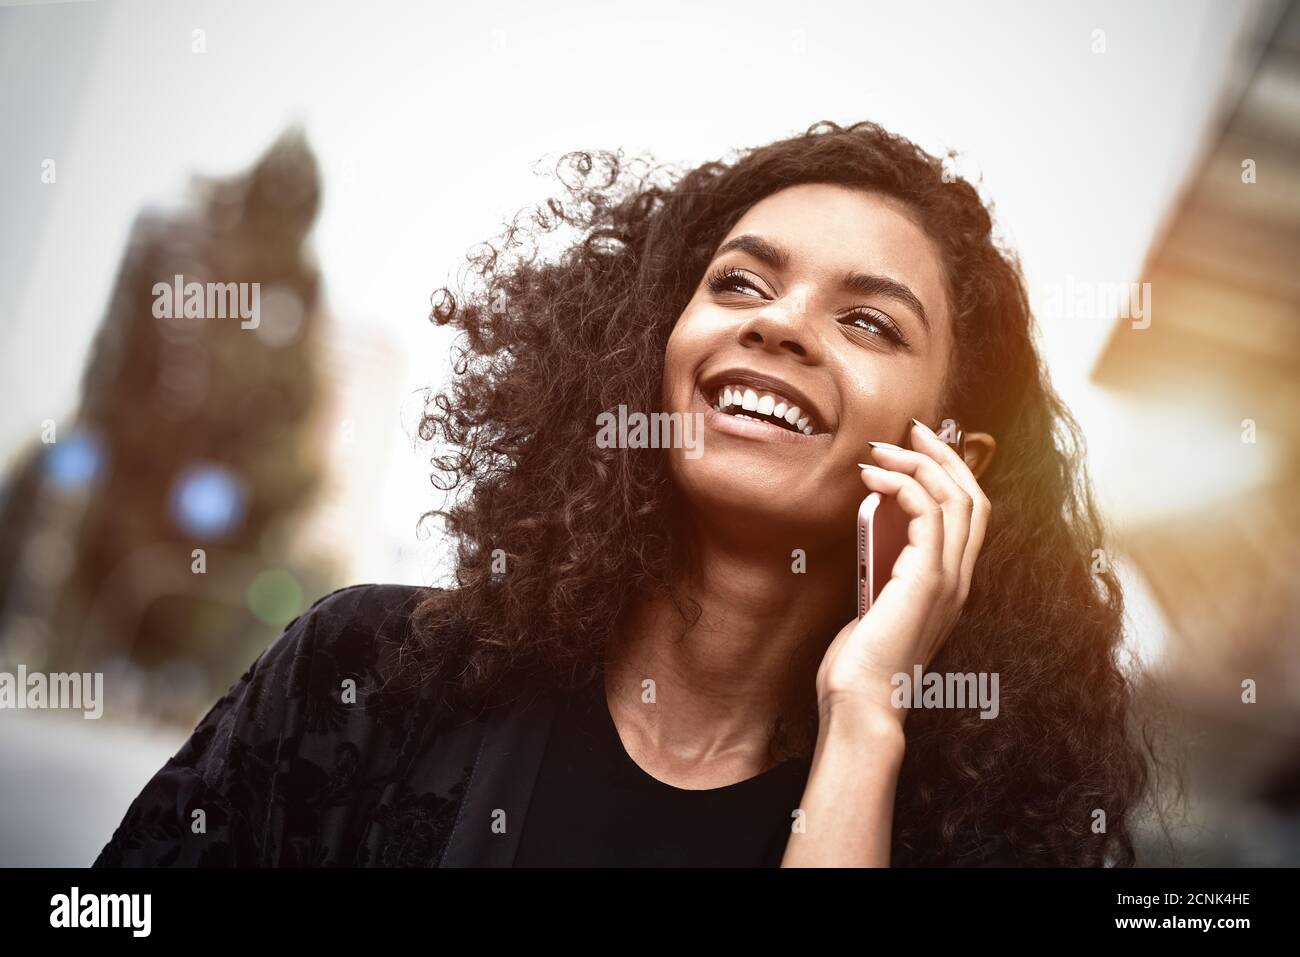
828	230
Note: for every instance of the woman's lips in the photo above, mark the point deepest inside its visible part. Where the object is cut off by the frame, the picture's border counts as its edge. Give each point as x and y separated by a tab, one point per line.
750	428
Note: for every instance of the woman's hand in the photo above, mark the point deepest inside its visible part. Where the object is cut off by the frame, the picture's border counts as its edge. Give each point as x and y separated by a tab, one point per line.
915	612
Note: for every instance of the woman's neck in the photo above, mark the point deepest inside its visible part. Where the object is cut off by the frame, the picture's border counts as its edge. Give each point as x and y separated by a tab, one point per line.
703	699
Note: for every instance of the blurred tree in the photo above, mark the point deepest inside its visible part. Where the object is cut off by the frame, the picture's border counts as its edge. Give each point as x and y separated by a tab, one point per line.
156	526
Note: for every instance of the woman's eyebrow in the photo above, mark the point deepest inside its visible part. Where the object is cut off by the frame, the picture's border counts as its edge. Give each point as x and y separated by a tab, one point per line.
869	284
758	247
864	284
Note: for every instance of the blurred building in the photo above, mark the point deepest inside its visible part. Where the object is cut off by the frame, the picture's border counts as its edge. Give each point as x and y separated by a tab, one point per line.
359	370
1212	371
148	534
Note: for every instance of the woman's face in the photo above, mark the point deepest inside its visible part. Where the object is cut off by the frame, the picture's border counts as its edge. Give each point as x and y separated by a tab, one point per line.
822	297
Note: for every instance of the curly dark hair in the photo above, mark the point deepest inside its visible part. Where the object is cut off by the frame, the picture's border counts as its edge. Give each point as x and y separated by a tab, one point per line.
549	343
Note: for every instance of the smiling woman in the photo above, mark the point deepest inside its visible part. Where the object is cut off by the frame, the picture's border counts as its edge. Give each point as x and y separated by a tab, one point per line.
656	653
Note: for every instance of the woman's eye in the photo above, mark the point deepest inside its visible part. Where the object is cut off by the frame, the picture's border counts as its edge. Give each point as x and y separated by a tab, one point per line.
877	325
874	324
732	281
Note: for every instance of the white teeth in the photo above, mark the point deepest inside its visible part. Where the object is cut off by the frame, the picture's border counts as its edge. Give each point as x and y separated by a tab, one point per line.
765	406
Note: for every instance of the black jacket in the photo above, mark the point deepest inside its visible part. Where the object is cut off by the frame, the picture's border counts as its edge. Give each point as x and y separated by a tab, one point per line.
288	769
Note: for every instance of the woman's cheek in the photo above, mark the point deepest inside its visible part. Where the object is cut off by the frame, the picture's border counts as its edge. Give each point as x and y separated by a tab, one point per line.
689	345
887	401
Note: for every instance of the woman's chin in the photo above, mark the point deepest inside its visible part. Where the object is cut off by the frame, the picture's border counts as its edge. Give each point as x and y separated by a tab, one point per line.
723	491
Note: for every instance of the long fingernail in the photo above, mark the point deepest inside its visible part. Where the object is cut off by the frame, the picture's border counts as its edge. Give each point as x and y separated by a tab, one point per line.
884	445
925	428
874	468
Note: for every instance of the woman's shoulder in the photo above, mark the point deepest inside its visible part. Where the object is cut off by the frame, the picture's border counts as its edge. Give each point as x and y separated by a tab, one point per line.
336	653
372	610
318	721
346	668
356	630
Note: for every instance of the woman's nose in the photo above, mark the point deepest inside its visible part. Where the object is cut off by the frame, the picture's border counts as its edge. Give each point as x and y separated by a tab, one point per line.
782	326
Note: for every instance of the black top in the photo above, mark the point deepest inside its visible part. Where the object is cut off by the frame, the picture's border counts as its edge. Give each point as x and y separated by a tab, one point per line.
594	806
290	771
291	768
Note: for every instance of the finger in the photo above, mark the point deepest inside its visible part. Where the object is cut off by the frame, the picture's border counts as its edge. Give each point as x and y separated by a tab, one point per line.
943	488
924	438
925	531
979	523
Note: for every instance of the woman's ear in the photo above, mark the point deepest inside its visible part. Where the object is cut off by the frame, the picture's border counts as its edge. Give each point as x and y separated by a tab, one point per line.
980	447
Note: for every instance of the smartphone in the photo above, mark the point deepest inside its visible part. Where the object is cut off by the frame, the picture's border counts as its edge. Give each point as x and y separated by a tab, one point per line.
882	529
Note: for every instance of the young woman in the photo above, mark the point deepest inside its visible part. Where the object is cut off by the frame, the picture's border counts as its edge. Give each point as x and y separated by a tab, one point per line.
652	655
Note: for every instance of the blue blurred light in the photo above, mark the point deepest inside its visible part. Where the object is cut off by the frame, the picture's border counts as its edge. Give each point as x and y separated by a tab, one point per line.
207	501
75	462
